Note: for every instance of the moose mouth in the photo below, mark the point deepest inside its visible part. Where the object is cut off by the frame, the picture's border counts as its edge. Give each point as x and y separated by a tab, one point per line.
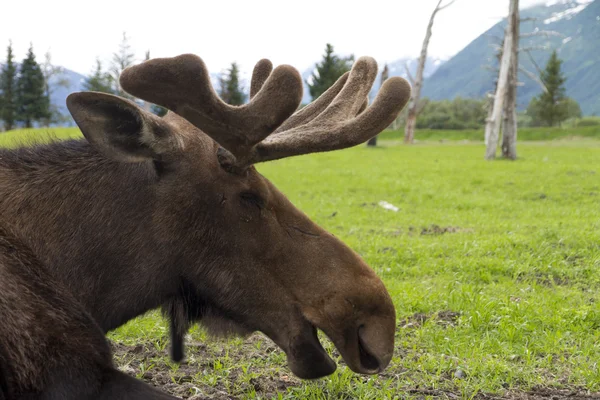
309	360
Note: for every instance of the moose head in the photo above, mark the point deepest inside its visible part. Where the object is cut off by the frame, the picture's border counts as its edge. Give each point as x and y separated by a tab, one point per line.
248	260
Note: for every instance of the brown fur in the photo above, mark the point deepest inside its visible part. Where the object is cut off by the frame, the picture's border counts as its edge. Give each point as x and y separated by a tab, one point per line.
50	347
151	212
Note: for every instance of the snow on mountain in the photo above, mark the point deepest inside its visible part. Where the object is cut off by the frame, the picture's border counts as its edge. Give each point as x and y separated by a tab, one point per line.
576	6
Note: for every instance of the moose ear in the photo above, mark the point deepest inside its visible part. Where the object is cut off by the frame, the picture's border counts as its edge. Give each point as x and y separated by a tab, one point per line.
120	129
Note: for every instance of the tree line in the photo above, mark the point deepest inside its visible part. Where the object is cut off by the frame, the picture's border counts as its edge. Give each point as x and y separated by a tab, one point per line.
24	91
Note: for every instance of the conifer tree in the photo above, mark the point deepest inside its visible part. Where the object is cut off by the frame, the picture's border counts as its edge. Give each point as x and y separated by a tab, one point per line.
54	77
121	60
99	80
230	89
328	71
552	106
32	102
8	89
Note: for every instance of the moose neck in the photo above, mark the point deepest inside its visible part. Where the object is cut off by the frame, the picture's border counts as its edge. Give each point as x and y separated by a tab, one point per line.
89	220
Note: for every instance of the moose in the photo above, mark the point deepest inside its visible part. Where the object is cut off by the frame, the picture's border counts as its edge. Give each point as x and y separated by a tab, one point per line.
150	212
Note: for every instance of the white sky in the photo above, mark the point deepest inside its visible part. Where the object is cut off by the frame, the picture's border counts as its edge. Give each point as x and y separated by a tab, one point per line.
220	31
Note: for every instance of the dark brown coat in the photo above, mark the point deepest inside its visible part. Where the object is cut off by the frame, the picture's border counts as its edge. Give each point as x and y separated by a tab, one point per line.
50	347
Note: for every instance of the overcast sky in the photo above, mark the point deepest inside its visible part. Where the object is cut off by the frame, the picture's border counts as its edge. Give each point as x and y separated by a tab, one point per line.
220	31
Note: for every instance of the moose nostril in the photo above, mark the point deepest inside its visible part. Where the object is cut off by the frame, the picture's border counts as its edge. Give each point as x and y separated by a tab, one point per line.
367	360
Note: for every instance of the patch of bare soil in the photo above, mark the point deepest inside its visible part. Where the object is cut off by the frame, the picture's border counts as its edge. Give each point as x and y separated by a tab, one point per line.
444	318
536	394
153	366
440	230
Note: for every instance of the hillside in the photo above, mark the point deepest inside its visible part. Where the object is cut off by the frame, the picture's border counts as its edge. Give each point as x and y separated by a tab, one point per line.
466	74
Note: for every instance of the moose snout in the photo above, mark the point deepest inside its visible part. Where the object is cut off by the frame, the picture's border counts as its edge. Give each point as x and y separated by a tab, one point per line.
375	349
364	334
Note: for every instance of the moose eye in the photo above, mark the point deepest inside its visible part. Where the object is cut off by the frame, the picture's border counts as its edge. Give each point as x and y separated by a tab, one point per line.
252	199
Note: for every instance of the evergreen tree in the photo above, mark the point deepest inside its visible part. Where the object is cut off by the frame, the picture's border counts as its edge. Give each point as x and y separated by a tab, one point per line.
551	107
328	72
32	102
99	81
8	89
230	90
121	60
54	76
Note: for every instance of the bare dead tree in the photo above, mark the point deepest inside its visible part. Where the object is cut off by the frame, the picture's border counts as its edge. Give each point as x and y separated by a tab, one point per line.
509	120
509	50
384	75
509	131
417	81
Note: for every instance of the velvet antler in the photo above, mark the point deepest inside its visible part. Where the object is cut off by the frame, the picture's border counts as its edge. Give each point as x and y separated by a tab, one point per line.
182	84
256	132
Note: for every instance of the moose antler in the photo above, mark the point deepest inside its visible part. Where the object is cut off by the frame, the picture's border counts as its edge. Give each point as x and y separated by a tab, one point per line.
265	129
182	85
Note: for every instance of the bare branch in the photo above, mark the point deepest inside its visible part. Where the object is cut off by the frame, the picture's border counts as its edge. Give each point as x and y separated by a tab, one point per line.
541	33
530	48
534	78
413	109
537	67
408	74
495	47
529	19
445	5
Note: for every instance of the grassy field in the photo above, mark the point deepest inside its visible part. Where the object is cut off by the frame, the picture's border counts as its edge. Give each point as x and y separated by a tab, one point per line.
494	268
20	136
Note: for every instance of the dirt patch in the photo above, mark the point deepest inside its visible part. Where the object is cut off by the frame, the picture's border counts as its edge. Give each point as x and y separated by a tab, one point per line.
431	230
440	230
536	394
443	318
390	250
543	279
548	394
152	365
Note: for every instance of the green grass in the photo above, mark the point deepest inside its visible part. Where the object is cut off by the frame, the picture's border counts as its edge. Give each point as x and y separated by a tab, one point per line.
476	135
20	136
494	268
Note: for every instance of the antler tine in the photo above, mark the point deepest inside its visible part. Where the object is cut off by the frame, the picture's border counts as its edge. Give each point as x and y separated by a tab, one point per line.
261	72
182	84
343	123
315	108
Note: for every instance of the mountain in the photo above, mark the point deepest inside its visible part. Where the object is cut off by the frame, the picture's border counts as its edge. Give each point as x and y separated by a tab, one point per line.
578	21
58	95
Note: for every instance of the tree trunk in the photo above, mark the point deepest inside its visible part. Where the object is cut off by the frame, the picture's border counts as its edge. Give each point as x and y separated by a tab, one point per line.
509	131
492	129
417	83
489	117
384	75
411	122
